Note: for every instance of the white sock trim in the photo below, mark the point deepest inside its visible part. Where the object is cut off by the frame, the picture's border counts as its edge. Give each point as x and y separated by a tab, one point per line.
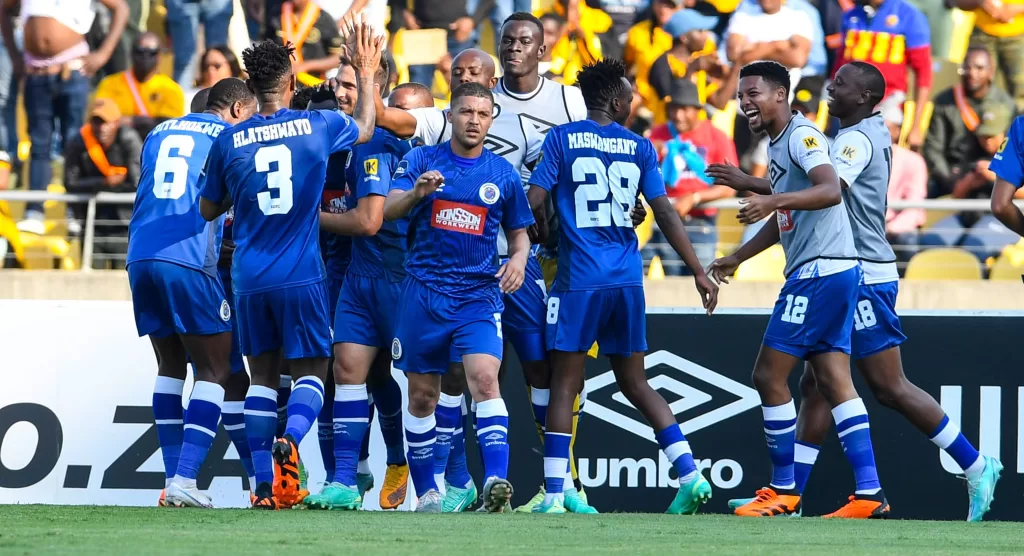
261	392
233	407
447	400
208	392
350	392
168	385
677	449
420	425
784	412
974	470
540	396
491	408
946	436
847	409
805	454
285	381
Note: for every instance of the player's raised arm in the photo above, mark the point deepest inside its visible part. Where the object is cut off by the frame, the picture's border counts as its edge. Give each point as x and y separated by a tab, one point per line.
731	176
1006	164
366	61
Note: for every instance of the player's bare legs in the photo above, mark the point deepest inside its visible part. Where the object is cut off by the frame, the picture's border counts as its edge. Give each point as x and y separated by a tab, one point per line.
492	428
261	423
172	368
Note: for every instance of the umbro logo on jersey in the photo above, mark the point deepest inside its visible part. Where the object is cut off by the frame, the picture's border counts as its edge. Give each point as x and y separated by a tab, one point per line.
542	126
458	217
499	146
775	173
698	396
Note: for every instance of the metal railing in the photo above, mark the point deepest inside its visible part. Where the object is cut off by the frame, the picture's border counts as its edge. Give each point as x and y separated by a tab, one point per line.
91	200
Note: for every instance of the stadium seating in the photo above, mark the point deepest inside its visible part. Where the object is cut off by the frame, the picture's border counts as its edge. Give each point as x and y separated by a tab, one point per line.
730	231
768	266
1004	269
947	263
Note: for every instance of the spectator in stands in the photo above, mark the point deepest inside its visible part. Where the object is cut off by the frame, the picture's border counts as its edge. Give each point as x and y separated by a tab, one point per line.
686	144
183	20
218	62
892	35
951	148
645	42
314	33
138	16
771	30
817	58
8	104
692	57
56	64
500	12
567	51
999	28
144	96
554	29
907	182
105	156
451	15
610	20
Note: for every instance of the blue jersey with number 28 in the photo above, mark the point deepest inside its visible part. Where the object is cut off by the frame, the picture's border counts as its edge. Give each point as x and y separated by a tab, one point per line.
166	224
595	174
274	167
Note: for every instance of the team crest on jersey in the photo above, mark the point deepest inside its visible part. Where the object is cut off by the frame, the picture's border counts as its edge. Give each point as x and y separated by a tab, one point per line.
489	193
371	166
396	349
225	310
402	168
811	143
458	217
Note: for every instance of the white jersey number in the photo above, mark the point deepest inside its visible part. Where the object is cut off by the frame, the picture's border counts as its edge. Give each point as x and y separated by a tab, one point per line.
864	316
279	179
621	179
170	177
796	309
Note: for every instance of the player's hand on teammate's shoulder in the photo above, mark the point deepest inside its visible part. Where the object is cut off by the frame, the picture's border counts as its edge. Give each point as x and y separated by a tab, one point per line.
721	269
639	213
726	174
756	207
708	290
511	274
428	183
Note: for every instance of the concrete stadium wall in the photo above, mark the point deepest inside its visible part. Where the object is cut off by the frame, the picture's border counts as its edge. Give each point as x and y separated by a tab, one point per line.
671	292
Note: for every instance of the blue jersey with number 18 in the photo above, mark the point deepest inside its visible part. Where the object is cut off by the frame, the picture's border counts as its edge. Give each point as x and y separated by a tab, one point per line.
595	174
166	224
274	167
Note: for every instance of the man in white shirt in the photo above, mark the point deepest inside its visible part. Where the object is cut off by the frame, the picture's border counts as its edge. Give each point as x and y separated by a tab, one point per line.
779	33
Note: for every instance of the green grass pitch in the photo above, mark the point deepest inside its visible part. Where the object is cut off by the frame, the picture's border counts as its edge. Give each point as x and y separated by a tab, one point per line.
129	531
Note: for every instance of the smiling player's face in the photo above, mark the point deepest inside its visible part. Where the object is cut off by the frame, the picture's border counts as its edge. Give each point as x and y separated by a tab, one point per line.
471	118
760	102
347	91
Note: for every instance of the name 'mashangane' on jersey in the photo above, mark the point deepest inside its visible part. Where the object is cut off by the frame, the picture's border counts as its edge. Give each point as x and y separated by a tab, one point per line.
595	174
369	173
166	224
453	231
274	167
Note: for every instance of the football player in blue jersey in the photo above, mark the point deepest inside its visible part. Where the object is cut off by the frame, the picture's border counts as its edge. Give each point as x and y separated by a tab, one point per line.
594	170
178	299
364	324
456	195
273	168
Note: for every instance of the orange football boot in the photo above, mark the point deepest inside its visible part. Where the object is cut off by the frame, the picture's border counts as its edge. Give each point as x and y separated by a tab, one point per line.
769	503
287	490
863	506
396	485
162	501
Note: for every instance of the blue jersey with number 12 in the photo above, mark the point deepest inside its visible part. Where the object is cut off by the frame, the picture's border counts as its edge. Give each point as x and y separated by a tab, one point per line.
594	174
274	167
166	224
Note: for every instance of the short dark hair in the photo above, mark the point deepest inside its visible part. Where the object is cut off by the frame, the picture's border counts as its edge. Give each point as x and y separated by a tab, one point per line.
301	97
872	80
601	82
773	73
268	64
529	18
472	90
227	92
199	101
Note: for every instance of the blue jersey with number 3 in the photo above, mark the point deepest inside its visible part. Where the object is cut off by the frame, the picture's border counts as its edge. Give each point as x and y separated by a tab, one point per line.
274	167
166	224
595	174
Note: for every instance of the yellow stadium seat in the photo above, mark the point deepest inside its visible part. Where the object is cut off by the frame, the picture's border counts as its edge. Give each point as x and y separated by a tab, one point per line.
963	25
656	270
908	119
933	216
730	231
946	263
1004	269
768	266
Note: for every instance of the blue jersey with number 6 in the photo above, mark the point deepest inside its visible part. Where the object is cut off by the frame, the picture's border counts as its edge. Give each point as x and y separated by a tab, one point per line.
166	224
595	174
274	167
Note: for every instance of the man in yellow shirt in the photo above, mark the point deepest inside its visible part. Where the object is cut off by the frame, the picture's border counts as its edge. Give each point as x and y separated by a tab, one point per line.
999	28
144	96
646	41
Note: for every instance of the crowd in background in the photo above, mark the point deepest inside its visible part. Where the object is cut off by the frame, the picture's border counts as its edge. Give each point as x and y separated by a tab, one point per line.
93	77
